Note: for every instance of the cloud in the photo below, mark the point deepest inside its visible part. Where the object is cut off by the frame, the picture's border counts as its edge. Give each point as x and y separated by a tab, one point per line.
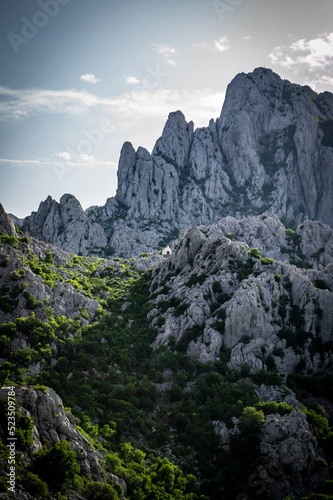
132	80
315	54
64	156
199	105
150	102
19	104
167	52
80	160
89	78
246	37
220	44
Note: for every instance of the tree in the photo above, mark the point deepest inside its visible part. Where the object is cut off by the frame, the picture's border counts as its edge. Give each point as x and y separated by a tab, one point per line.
57	466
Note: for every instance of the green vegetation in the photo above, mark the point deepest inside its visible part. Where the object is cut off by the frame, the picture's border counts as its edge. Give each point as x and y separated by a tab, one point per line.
103	367
195	278
327	127
321	284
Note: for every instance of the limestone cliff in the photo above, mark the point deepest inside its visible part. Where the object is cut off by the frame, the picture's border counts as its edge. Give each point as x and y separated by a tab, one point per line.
247	286
270	149
65	225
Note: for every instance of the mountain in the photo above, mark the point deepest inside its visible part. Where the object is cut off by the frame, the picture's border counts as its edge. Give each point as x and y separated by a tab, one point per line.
270	150
200	373
203	374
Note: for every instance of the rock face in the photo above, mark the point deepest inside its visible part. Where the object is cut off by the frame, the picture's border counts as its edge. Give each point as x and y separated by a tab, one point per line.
53	424
6	224
270	149
17	278
66	225
269	307
287	444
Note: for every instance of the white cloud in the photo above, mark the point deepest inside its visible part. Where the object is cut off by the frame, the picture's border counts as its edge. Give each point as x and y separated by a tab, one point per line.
199	104
81	160
89	78
220	44
18	104
64	156
315	54
132	80
246	37
167	52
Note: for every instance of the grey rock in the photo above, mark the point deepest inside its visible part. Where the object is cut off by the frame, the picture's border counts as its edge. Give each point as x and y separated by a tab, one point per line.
266	152
66	225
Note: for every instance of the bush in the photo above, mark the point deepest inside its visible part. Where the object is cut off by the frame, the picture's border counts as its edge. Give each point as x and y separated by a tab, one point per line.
263	377
99	491
160	321
49	257
195	278
57	466
319	283
269	407
254	252
10	240
266	261
33	485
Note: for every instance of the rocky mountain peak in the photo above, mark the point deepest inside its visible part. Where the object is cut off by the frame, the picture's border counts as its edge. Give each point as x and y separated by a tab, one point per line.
6	223
270	150
176	139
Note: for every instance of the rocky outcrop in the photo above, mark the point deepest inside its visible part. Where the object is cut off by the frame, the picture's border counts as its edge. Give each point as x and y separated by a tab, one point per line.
19	276
66	225
53	424
6	224
270	149
217	291
291	462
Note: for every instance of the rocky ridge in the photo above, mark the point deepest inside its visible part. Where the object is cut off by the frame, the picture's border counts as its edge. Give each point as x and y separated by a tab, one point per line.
232	286
270	150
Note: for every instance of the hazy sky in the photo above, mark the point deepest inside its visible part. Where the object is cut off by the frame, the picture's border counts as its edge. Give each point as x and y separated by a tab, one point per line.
80	77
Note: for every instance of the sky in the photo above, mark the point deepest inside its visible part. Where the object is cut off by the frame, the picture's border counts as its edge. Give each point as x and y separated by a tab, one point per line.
78	78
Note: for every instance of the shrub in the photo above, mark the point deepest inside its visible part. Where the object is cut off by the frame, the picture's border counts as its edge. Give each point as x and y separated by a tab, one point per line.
263	377
49	257
195	278
10	240
254	252
277	277
57	466
266	261
278	351
319	283
269	407
251	418
99	491
33	485
160	321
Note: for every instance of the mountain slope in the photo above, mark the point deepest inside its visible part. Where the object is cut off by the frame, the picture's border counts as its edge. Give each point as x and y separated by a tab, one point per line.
223	346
